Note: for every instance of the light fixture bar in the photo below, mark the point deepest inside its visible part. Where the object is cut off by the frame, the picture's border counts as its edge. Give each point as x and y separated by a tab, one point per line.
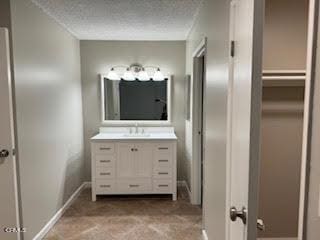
135	72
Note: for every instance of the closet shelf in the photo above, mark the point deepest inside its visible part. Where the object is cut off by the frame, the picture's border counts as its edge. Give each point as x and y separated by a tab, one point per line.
283	107
285	78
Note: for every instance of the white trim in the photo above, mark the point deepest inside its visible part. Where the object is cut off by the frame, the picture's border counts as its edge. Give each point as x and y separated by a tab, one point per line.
86	185
284	71
284	77
196	151
204	235
183	183
232	10
5	69
60	212
199	50
277	238
306	119
132	122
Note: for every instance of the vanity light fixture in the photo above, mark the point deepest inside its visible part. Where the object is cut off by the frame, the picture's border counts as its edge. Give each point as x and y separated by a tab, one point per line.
158	76
136	72
112	75
143	75
128	75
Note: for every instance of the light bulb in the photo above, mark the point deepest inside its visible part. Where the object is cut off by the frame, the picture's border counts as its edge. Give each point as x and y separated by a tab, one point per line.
143	75
128	75
158	76
112	75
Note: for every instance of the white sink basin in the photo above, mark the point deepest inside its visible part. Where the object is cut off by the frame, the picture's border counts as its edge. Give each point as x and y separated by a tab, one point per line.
136	135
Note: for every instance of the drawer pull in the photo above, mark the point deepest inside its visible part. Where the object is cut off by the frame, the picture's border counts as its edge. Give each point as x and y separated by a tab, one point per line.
105	161
163	173
105	148
163	185
163	160
105	173
105	186
134	185
163	148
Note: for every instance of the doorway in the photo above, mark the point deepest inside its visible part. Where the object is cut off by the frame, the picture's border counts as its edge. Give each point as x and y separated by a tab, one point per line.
199	69
285	118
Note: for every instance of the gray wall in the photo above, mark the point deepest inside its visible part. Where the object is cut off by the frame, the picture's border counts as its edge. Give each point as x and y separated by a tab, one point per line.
49	113
285	34
99	56
313	218
5	16
213	23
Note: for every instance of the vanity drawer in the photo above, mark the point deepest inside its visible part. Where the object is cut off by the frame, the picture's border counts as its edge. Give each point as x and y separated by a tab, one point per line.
105	160
105	173
162	160
105	186
104	148
134	186
163	148
162	173
162	186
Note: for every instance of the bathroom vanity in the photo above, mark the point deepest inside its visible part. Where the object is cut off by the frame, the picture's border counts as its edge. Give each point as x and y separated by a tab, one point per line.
134	161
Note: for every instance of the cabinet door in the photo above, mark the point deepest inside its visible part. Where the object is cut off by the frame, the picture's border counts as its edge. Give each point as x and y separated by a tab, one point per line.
143	160
125	161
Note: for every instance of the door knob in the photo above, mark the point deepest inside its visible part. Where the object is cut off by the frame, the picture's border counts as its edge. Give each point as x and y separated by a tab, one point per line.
242	214
4	153
260	225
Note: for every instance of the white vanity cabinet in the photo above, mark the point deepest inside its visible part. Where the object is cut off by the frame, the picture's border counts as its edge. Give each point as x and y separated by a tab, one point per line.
133	166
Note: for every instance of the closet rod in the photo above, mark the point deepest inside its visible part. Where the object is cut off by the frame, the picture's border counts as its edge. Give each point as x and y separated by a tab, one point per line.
284	72
284	77
295	107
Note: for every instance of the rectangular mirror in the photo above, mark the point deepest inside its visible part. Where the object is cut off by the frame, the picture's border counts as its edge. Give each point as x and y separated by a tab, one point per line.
135	101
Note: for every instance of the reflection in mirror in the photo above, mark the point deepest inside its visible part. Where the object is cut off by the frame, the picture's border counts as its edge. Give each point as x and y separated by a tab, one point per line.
135	100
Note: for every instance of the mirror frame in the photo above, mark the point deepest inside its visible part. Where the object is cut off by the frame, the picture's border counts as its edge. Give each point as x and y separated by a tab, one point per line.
133	122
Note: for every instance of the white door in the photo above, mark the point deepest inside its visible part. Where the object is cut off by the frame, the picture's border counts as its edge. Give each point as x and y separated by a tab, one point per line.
143	160
9	224
125	162
244	118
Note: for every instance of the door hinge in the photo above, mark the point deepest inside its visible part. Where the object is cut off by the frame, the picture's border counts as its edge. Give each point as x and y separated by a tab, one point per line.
232	48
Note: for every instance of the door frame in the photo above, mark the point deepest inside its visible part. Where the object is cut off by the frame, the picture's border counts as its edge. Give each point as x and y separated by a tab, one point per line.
305	157
196	177
254	152
5	48
307	116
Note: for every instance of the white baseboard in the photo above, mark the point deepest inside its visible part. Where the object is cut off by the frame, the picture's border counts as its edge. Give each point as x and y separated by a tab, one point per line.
204	235
60	212
87	184
278	238
183	183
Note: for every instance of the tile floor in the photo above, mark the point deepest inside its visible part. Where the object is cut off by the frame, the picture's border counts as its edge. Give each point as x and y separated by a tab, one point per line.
129	218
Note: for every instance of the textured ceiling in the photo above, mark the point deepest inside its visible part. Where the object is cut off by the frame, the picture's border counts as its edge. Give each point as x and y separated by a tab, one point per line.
124	19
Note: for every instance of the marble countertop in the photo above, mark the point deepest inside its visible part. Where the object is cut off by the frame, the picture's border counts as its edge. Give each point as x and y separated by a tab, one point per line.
128	136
